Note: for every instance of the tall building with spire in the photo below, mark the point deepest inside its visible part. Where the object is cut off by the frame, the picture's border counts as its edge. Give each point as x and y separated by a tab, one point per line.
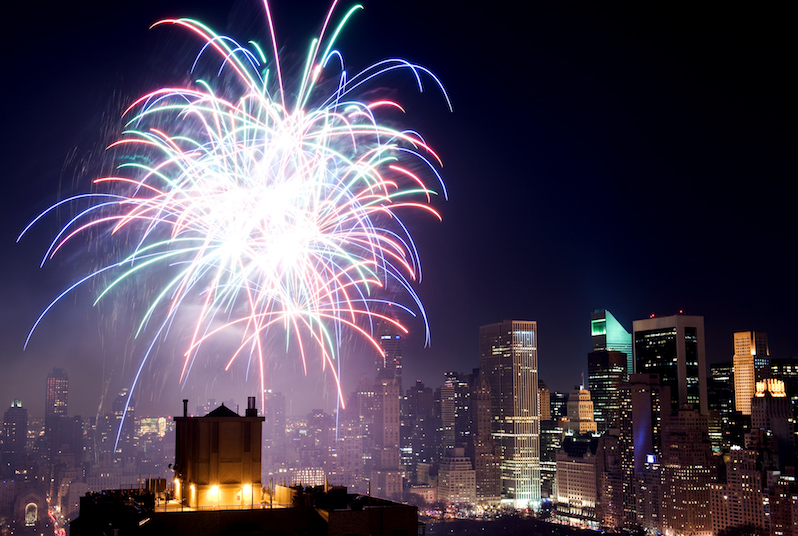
751	362
509	361
389	362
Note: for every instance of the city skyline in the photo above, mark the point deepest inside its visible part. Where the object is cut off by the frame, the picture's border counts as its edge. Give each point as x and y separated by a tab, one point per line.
607	184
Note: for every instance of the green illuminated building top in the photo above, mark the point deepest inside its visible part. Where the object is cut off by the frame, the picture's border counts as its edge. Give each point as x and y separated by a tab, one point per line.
607	333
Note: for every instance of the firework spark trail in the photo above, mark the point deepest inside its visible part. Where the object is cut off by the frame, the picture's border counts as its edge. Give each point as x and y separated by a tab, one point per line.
267	210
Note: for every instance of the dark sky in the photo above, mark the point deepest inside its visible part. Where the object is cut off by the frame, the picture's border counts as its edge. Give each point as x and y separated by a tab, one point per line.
639	158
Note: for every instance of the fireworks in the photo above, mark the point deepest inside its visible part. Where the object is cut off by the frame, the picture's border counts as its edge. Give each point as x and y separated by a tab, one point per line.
265	207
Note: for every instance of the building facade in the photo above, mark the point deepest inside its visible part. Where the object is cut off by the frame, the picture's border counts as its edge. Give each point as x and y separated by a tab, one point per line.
509	361
673	347
751	362
607	334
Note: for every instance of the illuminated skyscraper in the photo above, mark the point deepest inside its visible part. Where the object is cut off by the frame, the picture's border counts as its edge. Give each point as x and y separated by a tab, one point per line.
509	361
673	347
386	474
56	396
607	334
55	410
606	371
751	364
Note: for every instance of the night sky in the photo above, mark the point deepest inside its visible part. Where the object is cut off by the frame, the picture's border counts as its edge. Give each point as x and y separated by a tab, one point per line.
638	158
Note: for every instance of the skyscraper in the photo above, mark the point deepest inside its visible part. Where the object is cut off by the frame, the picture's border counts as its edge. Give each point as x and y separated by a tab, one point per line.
482	448
580	412
606	371
509	360
751	362
386	473
56	396
673	347
607	334
55	410
389	363
15	432
418	411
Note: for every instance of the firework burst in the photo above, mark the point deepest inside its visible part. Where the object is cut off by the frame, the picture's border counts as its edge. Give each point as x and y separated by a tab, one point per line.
266	206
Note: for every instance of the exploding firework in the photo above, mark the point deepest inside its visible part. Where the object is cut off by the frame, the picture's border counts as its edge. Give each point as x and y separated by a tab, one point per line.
263	207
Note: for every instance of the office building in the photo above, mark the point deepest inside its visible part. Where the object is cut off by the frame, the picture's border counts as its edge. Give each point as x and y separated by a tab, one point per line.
608	335
786	370
580	412
389	361
771	413
558	405
751	363
15	433
673	347
640	444
606	372
576	482
482	448
544	398
421	434
688	470
456	479
509	361
56	397
741	501
386	475
720	388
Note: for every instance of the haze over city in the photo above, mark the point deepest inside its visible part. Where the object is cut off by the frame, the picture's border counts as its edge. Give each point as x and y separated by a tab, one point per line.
631	158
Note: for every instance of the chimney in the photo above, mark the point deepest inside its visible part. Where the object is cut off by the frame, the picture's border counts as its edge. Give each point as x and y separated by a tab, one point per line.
252	411
185	407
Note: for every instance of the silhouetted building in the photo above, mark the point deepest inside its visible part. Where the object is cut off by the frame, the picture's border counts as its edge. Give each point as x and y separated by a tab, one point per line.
673	348
643	402
389	363
508	358
483	449
274	440
609	481
421	434
771	413
218	457
15	433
